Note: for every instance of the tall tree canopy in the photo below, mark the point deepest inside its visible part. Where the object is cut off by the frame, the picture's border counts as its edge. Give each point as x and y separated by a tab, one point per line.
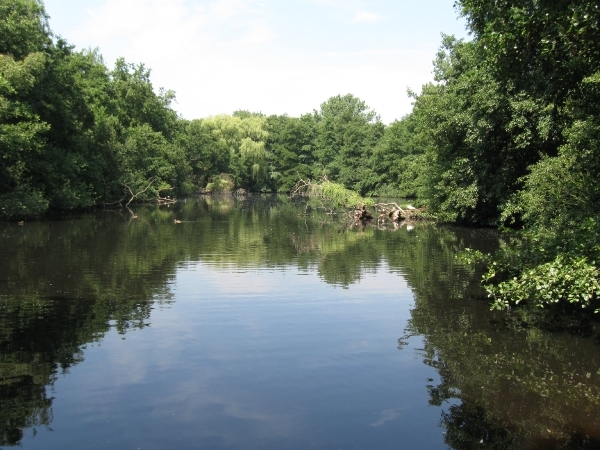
348	130
508	134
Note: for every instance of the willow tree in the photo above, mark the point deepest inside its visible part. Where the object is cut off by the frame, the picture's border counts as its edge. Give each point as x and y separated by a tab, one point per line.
244	139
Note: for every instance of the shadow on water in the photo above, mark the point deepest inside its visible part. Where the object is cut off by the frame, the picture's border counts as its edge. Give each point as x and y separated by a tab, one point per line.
504	385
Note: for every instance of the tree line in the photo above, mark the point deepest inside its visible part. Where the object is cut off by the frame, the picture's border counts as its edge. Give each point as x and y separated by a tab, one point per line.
507	135
76	134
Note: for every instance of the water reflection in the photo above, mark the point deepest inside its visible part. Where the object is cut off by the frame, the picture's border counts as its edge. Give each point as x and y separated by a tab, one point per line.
522	382
66	284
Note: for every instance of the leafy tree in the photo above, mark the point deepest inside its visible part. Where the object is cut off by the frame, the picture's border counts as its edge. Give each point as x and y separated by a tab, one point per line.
541	47
244	140
481	140
65	99
555	259
149	163
291	145
206	154
136	102
23	28
21	136
543	57
67	122
348	130
397	159
24	36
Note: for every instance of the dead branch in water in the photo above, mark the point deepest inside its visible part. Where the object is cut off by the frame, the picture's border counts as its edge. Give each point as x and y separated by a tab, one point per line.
133	196
361	214
334	193
119	202
355	206
306	188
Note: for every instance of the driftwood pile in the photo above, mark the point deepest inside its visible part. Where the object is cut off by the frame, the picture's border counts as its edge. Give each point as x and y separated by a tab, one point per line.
362	214
391	211
166	200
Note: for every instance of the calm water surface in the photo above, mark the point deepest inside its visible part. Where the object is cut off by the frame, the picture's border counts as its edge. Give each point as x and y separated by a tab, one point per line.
253	325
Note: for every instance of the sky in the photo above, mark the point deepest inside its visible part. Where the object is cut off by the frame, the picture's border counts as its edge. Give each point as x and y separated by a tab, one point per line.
269	56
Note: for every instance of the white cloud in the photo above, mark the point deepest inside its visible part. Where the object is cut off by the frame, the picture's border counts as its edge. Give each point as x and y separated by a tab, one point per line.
223	55
172	26
227	8
387	416
327	2
364	16
259	34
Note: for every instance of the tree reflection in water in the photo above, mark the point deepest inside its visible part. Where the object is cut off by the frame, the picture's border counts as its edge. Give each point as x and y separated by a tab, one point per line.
509	380
64	284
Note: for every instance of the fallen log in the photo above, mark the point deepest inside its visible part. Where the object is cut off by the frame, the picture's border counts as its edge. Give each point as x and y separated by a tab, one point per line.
395	213
166	200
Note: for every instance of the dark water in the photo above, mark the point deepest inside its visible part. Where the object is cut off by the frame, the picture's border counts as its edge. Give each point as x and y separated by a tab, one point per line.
253	326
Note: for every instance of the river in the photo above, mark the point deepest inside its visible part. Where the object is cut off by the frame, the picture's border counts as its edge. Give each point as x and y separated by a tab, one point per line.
261	323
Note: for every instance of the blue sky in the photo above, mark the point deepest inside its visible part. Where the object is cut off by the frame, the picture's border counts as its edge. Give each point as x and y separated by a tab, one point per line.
273	56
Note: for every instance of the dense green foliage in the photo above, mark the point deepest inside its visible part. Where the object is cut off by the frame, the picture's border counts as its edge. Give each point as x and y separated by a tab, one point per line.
509	135
291	143
73	133
542	59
